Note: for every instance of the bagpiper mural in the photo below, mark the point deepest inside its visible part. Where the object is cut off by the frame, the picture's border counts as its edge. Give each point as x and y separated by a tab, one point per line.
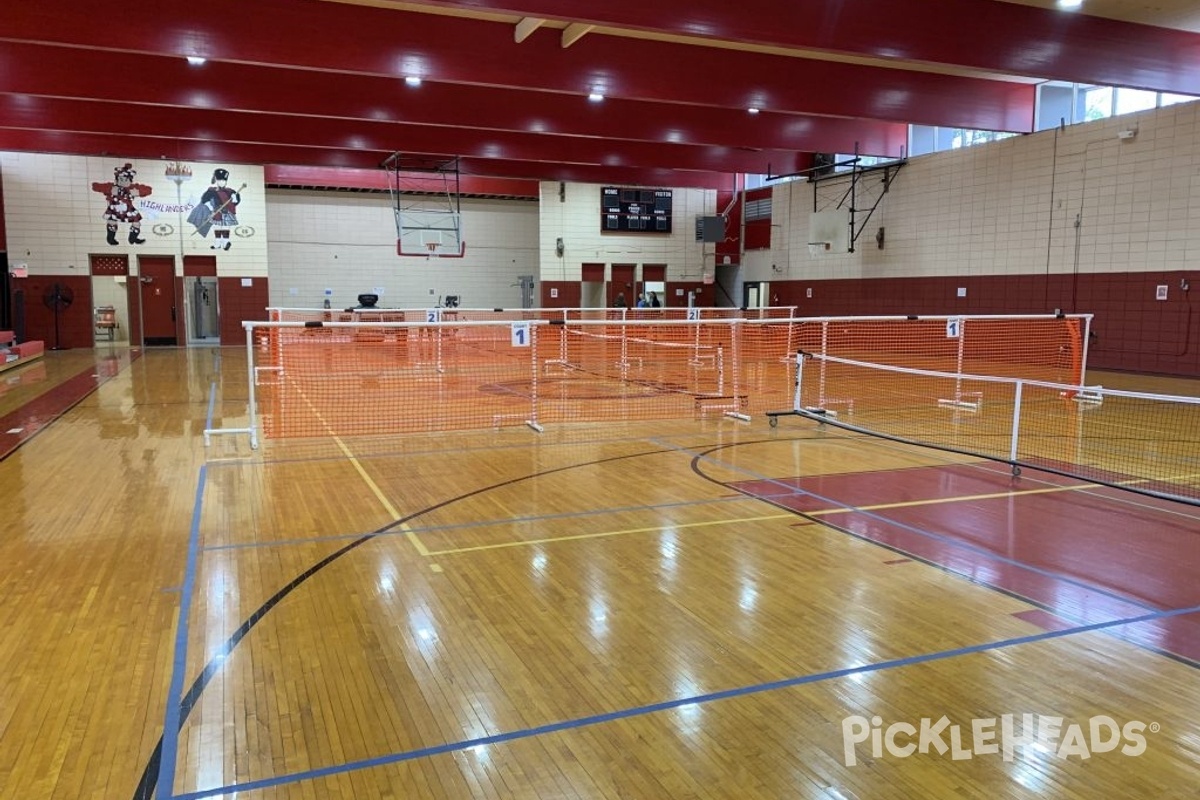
218	210
122	195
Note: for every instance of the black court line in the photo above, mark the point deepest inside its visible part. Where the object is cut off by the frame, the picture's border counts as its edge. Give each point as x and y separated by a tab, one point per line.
146	786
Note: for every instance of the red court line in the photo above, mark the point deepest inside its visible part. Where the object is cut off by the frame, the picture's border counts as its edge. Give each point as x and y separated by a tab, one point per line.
1051	548
34	416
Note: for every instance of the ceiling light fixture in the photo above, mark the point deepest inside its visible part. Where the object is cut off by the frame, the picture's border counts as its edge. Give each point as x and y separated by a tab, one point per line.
596	97
752	110
196	61
1070	5
413	80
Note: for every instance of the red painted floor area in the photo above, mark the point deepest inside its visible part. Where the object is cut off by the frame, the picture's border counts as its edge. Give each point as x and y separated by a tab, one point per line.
1088	555
28	420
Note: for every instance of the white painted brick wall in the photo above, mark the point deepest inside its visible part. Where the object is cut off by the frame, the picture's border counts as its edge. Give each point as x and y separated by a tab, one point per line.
1010	207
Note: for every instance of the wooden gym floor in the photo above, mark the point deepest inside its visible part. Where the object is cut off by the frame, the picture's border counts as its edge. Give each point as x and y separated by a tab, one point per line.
660	610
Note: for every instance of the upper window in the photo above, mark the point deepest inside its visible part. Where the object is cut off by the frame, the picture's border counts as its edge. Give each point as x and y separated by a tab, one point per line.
924	139
1057	103
1128	101
1069	103
1168	99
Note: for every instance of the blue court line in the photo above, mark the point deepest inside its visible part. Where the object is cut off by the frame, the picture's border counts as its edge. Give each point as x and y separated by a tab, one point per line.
636	711
741	498
171	725
795	490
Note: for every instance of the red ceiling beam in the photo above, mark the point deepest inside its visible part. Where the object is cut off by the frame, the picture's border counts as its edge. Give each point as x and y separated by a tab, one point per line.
1001	37
357	39
149	147
69	72
379	138
121	147
378	180
620	176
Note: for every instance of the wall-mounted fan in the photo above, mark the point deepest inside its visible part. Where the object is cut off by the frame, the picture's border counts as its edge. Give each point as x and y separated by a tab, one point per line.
58	298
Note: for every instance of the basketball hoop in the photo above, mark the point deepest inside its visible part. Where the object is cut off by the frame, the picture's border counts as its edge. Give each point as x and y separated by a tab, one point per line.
433	246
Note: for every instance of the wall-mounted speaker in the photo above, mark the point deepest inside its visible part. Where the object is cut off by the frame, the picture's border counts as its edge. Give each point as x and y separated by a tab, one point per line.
559	247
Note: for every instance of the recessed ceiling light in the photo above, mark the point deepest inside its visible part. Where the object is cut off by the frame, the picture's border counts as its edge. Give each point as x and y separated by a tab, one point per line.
413	80
196	61
595	97
752	110
1070	4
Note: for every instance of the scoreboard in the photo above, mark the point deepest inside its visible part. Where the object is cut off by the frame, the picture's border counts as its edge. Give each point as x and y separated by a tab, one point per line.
627	210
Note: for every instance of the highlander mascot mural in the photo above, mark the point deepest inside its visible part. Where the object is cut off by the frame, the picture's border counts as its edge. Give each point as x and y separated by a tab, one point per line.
218	210
121	195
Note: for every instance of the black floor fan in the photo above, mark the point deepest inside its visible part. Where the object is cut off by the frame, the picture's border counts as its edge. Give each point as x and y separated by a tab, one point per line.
58	298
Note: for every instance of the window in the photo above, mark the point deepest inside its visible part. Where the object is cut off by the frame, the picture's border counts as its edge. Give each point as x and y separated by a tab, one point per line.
1131	100
1168	99
1095	102
1057	102
924	139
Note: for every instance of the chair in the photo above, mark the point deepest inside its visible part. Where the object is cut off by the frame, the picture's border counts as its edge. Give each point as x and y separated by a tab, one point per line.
105	318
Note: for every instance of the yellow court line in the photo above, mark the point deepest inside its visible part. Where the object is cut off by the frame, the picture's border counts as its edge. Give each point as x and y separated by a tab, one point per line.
392	511
601	534
992	496
408	532
814	513
790	515
956	499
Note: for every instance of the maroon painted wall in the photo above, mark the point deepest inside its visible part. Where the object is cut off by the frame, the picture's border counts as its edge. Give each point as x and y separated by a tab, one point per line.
74	323
704	293
238	304
569	294
194	266
593	272
1131	330
3	236
732	200
133	295
758	232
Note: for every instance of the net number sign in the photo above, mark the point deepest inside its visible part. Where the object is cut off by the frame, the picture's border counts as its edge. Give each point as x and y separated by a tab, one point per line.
520	334
433	315
954	326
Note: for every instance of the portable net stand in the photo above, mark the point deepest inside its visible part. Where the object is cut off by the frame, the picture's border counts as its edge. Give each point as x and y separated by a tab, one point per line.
1134	441
372	378
387	371
1048	347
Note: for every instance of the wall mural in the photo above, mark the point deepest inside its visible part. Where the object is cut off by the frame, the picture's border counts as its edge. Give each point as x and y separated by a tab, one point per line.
218	210
214	212
121	196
